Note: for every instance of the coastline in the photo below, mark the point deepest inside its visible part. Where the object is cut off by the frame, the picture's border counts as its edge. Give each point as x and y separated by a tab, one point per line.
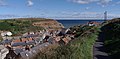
70	23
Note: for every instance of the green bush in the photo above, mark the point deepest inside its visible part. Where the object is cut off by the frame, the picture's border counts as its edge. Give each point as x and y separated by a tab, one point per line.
111	32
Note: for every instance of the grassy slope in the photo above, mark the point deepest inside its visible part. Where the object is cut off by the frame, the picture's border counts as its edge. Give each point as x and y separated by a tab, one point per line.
111	31
80	48
19	26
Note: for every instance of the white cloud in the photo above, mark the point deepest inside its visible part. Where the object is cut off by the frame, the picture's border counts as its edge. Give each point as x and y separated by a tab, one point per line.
30	3
103	3
100	2
84	1
7	16
81	2
85	15
89	13
76	14
2	3
87	8
118	2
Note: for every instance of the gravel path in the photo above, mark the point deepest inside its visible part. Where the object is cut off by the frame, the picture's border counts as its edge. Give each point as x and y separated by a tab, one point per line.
98	49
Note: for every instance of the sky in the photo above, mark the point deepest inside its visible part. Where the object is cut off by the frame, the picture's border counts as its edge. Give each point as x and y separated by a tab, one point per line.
59	9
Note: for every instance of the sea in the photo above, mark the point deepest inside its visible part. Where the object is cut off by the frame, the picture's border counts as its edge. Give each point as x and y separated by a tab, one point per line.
70	23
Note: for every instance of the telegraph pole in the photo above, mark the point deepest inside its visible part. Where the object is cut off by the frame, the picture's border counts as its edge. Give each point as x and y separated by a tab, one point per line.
105	16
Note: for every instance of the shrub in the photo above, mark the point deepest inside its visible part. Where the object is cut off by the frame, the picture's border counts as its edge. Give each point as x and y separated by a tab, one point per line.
111	32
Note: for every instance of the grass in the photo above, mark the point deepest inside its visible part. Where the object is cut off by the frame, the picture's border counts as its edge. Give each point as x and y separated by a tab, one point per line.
79	48
18	27
83	47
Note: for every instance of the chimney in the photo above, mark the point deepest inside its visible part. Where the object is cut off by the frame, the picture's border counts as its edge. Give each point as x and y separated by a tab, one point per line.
27	48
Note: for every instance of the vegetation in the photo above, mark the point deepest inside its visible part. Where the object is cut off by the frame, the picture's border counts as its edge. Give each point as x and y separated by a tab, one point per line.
111	35
79	48
19	26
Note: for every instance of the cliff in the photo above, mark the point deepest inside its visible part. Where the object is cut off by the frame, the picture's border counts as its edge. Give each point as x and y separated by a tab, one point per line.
22	25
49	24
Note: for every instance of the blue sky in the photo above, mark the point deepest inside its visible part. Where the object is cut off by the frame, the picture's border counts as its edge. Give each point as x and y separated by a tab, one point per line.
63	9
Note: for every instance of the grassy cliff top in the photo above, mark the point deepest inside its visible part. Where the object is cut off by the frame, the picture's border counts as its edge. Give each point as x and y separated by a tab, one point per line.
20	25
27	19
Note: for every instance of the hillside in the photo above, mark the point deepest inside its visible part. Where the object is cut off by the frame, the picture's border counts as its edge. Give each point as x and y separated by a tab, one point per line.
85	36
78	48
22	25
111	31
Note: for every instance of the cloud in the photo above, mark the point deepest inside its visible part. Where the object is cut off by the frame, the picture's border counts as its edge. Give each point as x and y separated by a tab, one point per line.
76	14
89	13
103	3
2	3
100	2
118	2
30	3
81	2
84	1
84	15
87	8
7	16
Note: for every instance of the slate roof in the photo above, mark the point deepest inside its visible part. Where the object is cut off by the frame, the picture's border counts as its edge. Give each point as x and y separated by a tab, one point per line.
17	51
31	42
33	51
6	41
31	35
19	44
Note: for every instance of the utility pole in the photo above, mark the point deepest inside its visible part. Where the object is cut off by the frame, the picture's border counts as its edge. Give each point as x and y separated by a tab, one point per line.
105	16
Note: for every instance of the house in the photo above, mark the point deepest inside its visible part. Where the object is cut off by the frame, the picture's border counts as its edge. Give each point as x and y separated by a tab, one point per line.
66	40
63	31
34	51
91	23
51	40
7	33
22	42
57	39
3	51
13	54
19	45
16	40
6	42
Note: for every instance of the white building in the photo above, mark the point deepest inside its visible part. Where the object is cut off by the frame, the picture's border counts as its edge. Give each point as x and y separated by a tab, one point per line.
6	33
3	52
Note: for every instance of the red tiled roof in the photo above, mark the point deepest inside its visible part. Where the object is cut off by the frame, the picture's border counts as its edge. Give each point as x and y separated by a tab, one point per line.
17	40
65	40
29	39
24	39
